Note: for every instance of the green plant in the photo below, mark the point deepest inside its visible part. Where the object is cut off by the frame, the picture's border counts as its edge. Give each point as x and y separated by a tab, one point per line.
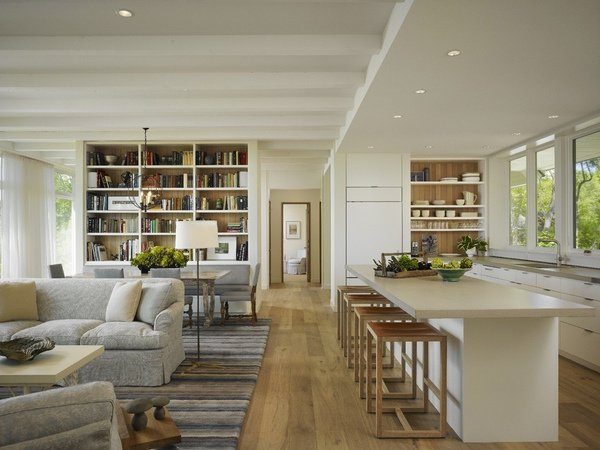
378	265
438	263
466	243
403	263
481	245
160	257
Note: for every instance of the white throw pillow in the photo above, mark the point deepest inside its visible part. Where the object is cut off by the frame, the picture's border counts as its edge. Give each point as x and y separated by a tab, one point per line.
18	301
124	301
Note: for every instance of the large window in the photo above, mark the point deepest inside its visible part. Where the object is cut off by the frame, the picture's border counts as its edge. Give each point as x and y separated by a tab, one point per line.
518	201
586	191
64	250
545	197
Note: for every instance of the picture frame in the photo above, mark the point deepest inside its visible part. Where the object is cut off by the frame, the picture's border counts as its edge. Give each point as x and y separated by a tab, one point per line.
292	229
226	250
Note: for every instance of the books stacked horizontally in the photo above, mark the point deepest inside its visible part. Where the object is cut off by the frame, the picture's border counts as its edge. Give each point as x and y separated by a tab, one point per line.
236	227
471	177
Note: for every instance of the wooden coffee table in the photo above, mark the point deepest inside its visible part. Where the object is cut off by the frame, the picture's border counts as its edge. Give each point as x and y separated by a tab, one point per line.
48	368
157	434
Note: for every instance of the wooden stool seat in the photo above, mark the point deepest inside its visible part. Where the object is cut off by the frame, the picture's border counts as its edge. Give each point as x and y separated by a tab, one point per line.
415	332
341	290
364	315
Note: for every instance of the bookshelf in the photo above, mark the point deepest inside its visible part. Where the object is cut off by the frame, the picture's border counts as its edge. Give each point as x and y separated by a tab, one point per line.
447	229
195	181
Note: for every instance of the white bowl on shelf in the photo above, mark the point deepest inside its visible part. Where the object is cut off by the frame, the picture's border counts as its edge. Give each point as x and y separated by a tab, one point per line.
439	202
450	213
440	213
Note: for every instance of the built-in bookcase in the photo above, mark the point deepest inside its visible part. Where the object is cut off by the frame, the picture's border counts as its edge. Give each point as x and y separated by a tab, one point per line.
195	181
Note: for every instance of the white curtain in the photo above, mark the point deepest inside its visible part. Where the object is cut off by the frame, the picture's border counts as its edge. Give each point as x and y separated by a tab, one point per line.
27	216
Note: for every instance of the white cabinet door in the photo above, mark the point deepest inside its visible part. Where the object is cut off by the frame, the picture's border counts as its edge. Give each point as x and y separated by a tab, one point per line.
526	278
587	323
374	169
584	345
372	229
548	282
581	288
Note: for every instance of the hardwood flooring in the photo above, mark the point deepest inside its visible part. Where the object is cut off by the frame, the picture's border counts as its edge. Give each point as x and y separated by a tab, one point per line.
306	398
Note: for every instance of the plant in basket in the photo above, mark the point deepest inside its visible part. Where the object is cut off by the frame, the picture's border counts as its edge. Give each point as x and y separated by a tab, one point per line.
159	257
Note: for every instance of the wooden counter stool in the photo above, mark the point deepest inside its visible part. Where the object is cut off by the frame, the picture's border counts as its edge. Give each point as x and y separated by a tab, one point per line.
351	301
382	332
341	290
365	314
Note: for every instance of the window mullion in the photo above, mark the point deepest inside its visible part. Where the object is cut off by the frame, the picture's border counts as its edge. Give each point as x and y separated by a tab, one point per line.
531	201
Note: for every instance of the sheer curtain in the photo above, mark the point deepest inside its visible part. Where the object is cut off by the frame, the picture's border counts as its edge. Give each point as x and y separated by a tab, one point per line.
28	216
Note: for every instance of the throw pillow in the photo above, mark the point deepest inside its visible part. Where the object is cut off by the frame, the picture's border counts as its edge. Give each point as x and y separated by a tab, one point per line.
155	298
18	301
124	301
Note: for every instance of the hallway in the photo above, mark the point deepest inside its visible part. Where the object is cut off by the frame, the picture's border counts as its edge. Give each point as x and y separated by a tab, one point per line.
305	397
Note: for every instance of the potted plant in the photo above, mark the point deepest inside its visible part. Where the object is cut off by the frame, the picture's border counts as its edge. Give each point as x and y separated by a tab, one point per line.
468	245
159	257
481	247
378	268
453	270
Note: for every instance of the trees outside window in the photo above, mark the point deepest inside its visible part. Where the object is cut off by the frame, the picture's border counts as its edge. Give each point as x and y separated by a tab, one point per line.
518	202
545	197
64	249
586	191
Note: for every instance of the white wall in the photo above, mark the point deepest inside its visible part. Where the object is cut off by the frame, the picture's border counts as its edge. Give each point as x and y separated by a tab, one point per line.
325	229
294	213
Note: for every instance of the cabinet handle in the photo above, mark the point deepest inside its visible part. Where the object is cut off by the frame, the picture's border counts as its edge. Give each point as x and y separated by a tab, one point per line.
548	290
588	299
589	331
524	273
515	282
588	284
487	268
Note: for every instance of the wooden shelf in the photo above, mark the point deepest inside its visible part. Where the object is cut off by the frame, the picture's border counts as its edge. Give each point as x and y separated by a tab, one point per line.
112	189
106	211
170	211
448	218
114	166
446	229
167	189
224	233
426	183
222	189
222	167
222	211
446	206
158	234
158	167
113	234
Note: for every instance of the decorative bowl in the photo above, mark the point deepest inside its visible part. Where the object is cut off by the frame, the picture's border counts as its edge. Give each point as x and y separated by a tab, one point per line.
111	160
451	274
439	202
25	349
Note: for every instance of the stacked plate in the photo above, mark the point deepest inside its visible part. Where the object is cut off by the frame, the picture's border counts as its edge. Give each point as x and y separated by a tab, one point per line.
449	179
471	177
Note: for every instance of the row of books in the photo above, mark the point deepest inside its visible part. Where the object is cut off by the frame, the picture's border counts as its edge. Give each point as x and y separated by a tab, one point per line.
103	225
99	159
228	203
175	158
158	225
177	203
97	202
158	180
242	252
231	179
232	158
238	227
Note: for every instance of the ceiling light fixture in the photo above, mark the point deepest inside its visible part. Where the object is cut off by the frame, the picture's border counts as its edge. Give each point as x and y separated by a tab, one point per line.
370	147
429	147
553	116
420	91
398	116
517	133
454	52
125	13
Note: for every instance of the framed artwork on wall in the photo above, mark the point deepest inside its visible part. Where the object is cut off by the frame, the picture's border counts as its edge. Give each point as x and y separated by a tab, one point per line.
292	229
226	249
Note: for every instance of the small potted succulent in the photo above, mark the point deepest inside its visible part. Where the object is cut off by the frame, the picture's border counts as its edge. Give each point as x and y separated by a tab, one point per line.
378	268
468	245
159	257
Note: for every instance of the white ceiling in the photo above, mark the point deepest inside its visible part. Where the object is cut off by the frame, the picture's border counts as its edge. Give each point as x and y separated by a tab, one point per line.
292	73
521	61
275	71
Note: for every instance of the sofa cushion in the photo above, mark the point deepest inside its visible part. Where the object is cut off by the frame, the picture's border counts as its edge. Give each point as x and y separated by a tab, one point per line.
124	301
155	298
18	301
125	336
63	332
7	329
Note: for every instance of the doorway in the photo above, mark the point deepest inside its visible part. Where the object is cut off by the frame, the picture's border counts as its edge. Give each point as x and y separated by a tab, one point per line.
295	243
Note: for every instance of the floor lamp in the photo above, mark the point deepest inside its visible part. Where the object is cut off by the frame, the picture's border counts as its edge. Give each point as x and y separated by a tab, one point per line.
197	235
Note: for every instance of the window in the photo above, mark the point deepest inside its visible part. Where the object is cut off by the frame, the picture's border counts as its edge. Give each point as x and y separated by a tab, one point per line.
63	184
586	191
518	201
545	197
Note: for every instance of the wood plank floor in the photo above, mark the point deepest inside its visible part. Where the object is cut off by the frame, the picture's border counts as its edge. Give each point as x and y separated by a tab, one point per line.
306	398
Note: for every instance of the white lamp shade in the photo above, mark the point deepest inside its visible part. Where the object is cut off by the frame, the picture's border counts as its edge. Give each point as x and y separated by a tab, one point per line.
195	234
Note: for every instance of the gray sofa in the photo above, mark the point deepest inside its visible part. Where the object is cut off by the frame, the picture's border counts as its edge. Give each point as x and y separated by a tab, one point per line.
83	417
141	353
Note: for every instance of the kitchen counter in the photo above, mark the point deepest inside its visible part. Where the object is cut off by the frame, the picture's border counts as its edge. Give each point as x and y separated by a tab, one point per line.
576	273
432	298
502	352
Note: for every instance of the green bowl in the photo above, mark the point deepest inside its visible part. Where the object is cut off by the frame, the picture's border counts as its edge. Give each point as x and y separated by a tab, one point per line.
451	274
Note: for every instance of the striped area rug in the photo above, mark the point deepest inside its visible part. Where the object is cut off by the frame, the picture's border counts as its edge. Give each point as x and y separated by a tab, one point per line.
209	403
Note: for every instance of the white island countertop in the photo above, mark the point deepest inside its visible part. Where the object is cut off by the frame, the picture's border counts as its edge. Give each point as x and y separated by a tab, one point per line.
432	298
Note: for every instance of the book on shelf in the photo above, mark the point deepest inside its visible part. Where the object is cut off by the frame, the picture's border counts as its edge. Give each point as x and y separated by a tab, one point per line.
158	225
99	179
175	158
104	225
99	159
219	180
176	204
230	158
158	180
237	227
242	252
96	252
227	203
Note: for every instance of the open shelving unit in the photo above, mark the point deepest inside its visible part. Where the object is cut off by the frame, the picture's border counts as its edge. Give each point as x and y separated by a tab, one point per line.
448	230
182	187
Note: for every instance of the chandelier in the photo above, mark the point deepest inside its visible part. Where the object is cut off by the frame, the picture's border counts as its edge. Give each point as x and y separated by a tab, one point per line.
143	200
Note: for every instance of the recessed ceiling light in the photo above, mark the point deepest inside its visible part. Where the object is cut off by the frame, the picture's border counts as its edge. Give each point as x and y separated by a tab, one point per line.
398	116
454	52
429	147
553	116
517	133
485	147
124	13
370	147
420	91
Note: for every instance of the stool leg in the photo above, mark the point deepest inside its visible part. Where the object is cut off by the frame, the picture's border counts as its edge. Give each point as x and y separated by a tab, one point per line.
357	342
343	323
425	376
337	310
414	369
361	357
379	344
369	377
349	314
443	388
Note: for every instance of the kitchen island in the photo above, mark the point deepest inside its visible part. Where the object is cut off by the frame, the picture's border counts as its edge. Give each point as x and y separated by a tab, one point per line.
502	352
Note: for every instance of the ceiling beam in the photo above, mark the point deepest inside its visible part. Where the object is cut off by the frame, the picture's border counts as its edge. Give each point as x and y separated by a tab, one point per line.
305	161
295	145
264	154
89	105
24	147
94	82
215	45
